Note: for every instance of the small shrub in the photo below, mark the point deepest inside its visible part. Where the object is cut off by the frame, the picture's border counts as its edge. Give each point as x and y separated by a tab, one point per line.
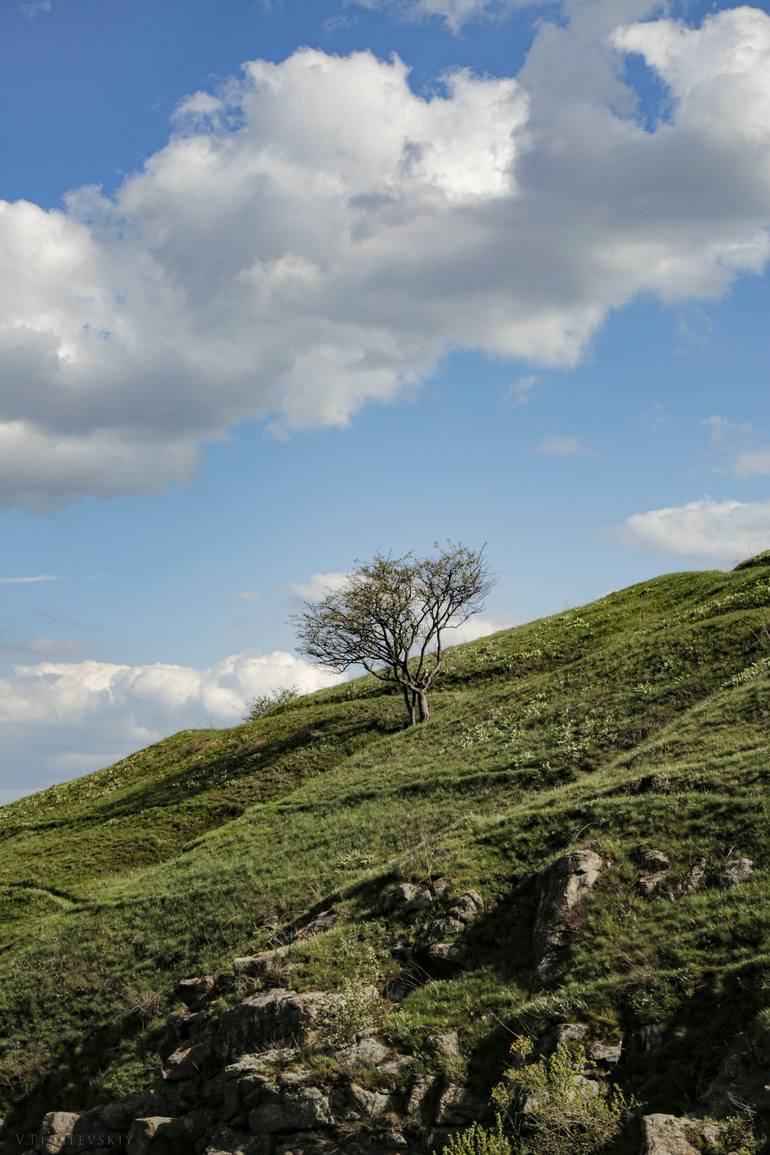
273	702
563	1117
477	1140
349	1017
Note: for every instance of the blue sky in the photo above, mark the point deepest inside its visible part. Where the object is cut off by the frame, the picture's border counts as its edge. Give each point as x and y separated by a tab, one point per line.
321	307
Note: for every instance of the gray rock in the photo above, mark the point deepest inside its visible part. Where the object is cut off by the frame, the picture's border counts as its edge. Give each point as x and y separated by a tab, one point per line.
440	930
565	886
279	1016
447	1046
442	886
650	883
569	1033
57	1130
406	898
150	1135
195	990
467	907
696	876
605	1051
266	962
299	1109
187	1062
737	870
655	860
453	953
365	1053
357	1102
424	1088
457	1106
324	920
669	1135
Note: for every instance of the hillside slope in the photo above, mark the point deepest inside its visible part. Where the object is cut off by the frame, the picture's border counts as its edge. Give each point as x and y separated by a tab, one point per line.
636	724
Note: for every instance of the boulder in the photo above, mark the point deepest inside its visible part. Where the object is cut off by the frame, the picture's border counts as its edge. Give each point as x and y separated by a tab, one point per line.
669	1135
737	870
57	1131
565	886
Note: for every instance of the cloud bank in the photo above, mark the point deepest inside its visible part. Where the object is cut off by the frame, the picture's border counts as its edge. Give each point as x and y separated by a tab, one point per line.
61	719
317	235
719	531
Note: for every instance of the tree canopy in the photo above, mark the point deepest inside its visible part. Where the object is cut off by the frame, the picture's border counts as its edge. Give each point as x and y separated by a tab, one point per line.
391	614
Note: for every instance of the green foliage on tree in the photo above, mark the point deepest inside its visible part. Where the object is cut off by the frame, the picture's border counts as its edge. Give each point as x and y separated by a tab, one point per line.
391	616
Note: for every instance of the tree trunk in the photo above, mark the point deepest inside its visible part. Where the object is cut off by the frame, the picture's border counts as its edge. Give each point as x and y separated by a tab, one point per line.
409	700
422	701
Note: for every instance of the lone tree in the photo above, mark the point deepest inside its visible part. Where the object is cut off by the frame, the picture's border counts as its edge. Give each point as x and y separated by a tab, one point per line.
390	617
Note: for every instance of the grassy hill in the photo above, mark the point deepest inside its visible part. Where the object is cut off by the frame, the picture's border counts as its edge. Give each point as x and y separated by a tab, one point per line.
640	721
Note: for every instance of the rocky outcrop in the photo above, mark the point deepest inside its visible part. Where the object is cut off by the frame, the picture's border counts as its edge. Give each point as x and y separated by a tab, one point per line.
736	871
671	1135
565	886
244	1083
440	945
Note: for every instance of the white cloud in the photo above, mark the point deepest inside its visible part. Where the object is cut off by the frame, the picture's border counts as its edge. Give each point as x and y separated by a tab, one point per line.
317	235
476	627
318	585
723	531
562	447
738	444
32	8
59	719
248	596
454	12
520	392
23	581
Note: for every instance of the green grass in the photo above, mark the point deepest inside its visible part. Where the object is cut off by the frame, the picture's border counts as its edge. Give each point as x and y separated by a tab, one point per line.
638	721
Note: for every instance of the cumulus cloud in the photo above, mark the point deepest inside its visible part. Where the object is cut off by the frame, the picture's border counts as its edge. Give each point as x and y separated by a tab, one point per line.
476	627
318	585
316	235
723	531
59	719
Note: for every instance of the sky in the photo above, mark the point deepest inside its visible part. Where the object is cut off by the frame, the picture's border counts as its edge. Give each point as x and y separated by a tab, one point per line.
284	284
